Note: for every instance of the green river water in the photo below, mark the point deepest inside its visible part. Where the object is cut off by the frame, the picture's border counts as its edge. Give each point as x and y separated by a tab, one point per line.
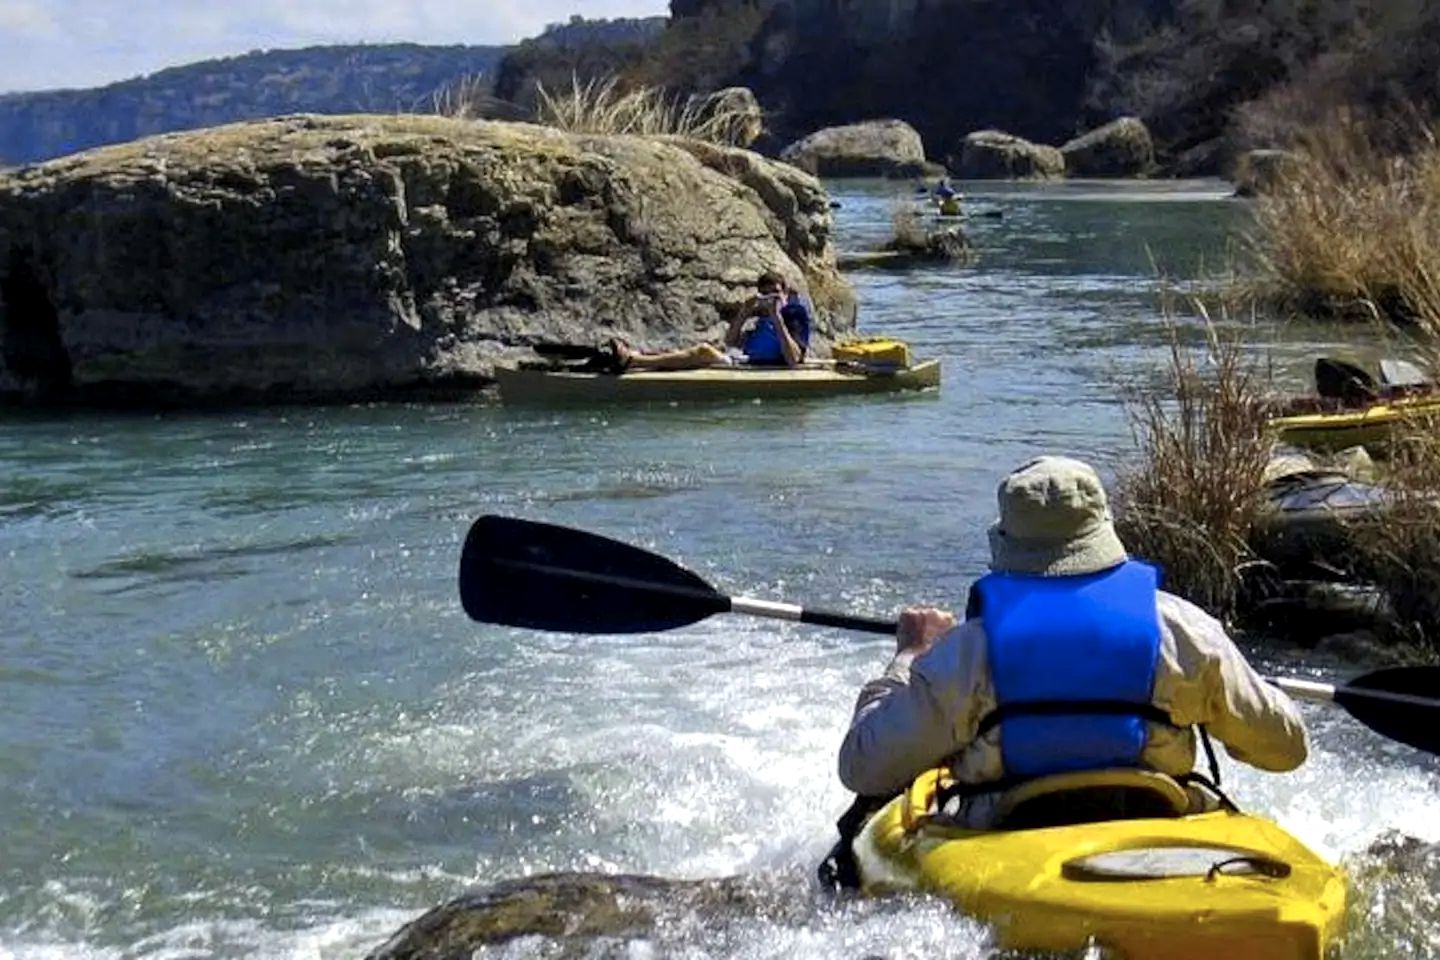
244	715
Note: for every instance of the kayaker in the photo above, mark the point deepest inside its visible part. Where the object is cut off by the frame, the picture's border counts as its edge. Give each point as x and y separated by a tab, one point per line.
946	198
771	328
1065	617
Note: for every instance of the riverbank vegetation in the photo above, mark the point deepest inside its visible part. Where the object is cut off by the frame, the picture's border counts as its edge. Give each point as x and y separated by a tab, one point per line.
1197	501
1349	226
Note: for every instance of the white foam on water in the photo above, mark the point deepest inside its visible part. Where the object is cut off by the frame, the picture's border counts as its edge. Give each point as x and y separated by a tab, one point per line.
331	936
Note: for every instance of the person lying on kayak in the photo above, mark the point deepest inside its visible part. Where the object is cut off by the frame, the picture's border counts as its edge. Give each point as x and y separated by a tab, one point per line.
1070	659
770	329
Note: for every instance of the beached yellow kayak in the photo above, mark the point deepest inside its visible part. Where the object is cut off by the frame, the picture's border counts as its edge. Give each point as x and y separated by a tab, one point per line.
1372	426
1209	886
711	383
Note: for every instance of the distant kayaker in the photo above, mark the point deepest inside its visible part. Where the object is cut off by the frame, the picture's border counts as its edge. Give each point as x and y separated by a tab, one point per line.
771	328
947	198
1070	659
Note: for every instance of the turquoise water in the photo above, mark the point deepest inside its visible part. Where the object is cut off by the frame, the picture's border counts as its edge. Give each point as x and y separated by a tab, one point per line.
245	716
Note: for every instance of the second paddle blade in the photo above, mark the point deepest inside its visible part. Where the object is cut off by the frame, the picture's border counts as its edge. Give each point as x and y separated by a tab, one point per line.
1415	724
522	573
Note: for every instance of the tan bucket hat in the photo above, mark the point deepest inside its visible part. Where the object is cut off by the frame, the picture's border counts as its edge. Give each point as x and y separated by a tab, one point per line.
1054	521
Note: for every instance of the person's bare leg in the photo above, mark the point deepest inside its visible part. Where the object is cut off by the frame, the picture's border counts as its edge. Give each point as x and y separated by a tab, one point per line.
686	358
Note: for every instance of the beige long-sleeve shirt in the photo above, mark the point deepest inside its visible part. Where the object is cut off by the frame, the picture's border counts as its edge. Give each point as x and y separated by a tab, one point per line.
926	710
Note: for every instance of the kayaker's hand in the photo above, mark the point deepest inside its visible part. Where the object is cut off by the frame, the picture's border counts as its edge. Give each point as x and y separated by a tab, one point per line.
920	627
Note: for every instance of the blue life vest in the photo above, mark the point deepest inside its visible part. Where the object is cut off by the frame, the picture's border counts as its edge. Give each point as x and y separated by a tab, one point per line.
762	343
1073	663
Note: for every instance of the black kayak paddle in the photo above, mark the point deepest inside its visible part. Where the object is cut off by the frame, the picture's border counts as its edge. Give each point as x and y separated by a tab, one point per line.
523	573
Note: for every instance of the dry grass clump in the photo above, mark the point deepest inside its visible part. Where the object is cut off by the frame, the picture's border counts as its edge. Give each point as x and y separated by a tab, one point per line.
1352	228
1190	502
605	107
907	226
1399	550
463	99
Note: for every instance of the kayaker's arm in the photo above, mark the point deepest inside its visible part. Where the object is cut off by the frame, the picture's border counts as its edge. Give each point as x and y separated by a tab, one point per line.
904	723
1257	723
791	348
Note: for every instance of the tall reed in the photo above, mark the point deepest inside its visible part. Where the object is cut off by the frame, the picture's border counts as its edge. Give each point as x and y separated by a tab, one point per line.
1190	501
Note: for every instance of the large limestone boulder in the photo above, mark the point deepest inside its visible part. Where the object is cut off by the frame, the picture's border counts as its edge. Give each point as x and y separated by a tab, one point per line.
876	148
329	257
995	155
1120	148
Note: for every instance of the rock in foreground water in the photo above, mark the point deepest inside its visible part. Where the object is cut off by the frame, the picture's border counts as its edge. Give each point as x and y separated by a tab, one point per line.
573	907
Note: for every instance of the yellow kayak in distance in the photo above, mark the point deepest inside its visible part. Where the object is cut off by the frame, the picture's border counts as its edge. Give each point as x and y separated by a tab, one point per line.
739	382
1220	885
1372	426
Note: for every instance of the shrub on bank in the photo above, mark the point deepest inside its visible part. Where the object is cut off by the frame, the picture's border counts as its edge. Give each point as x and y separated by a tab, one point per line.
1352	228
1400	551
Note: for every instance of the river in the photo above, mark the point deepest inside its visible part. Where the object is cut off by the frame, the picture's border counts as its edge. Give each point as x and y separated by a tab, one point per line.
244	715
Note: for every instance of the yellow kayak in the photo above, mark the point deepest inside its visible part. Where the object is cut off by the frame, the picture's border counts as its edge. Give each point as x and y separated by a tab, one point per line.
1221	885
1372	426
711	383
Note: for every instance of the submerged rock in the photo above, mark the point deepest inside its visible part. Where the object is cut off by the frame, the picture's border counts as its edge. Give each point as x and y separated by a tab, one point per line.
936	246
337	257
570	907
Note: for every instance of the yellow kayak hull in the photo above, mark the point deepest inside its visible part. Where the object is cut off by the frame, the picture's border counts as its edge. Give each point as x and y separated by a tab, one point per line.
1023	883
709	383
1372	426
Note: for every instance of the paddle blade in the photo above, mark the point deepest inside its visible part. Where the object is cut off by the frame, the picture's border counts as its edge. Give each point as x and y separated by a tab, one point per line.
521	573
1415	722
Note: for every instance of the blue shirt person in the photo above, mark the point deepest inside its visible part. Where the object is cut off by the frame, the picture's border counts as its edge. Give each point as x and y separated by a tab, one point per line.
771	328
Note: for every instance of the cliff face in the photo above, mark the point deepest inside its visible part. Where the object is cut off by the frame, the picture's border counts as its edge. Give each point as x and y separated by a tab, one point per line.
578	50
363	79
333	257
1205	77
947	67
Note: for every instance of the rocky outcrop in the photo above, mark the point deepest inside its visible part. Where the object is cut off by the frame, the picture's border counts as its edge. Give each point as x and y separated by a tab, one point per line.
877	148
1120	148
570	914
993	155
734	115
329	257
1260	171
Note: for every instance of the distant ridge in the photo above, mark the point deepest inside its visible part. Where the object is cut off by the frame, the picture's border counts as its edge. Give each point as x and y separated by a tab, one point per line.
379	78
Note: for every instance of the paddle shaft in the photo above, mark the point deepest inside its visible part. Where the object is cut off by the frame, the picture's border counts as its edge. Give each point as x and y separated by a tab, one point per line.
533	575
1328	693
747	605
